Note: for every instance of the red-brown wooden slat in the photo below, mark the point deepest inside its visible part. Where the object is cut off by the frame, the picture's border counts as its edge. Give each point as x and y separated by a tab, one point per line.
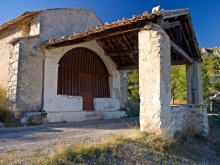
82	60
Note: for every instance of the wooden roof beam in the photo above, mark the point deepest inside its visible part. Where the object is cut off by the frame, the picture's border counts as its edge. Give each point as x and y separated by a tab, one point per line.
119	53
132	67
181	52
178	62
186	41
175	15
166	25
98	35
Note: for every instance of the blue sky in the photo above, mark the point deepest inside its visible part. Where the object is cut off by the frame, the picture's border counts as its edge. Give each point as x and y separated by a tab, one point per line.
205	14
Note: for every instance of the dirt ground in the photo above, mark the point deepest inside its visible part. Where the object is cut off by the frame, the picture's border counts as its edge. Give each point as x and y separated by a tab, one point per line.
19	145
25	145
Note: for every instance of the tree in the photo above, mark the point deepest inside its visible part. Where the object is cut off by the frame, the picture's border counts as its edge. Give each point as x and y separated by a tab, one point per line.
178	83
133	76
133	81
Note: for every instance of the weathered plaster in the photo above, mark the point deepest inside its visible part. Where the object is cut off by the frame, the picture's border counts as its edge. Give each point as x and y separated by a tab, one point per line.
9	60
154	79
59	22
6	51
106	104
30	74
25	59
54	117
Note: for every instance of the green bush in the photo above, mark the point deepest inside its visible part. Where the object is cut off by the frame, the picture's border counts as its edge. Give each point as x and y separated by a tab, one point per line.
216	86
4	109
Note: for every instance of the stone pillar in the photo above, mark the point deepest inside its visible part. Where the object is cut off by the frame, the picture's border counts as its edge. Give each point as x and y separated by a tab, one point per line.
154	79
194	83
123	90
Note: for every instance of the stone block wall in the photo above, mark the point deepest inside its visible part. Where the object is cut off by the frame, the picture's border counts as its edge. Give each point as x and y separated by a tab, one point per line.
12	78
7	49
6	53
192	117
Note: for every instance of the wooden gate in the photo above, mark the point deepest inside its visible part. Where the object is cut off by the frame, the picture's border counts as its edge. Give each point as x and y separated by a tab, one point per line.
81	72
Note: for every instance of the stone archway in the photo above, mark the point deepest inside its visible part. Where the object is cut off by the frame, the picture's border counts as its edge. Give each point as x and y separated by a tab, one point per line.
81	72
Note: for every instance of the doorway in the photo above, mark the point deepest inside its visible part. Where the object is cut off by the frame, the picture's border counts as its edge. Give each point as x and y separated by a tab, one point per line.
85	88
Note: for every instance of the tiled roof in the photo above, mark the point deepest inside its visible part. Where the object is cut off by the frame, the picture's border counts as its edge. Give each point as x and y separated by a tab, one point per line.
122	22
20	18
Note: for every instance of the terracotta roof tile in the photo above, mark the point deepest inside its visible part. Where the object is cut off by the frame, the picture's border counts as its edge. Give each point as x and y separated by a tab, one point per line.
118	23
20	18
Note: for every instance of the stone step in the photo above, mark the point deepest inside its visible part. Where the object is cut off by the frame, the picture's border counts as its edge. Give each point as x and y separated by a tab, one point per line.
93	113
94	117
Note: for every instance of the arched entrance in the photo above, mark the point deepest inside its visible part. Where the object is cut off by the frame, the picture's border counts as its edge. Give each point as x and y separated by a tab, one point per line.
81	72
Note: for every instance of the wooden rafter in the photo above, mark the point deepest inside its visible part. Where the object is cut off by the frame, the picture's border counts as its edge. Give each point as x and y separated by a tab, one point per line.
181	52
194	39
99	35
127	52
186	41
178	36
127	67
170	25
175	15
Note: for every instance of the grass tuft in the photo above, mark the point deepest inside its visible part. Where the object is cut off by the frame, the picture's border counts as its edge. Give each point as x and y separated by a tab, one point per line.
144	148
5	115
186	147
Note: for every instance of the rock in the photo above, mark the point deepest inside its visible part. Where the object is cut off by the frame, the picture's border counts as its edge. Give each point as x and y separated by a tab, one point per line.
1	124
31	118
36	119
206	51
23	120
127	112
217	52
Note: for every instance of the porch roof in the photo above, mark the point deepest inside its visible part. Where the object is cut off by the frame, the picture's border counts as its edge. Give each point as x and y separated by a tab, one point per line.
119	39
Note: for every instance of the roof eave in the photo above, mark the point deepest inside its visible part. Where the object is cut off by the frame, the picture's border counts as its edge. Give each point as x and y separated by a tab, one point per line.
20	18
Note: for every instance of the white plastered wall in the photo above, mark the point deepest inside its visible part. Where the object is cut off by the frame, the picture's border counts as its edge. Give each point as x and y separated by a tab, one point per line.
66	108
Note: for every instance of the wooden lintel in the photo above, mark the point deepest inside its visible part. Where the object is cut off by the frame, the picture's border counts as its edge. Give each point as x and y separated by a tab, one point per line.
181	52
128	52
178	62
132	67
170	25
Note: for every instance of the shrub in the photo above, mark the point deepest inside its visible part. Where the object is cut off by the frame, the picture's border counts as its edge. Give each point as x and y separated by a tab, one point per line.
4	109
216	86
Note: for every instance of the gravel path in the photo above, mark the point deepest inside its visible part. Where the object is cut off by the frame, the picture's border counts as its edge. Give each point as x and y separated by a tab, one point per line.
28	142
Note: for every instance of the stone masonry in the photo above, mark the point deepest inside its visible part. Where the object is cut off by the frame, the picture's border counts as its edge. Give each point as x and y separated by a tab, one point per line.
193	117
156	114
